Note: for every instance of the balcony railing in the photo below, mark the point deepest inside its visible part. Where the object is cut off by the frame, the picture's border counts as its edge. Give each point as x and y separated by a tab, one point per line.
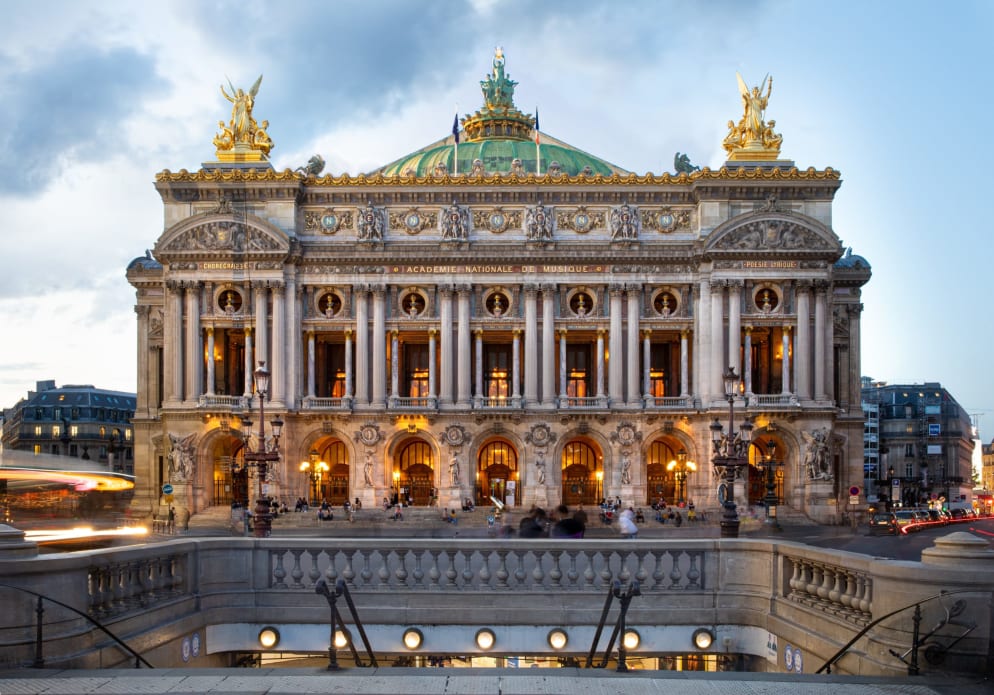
675	402
783	400
216	401
413	403
315	403
587	402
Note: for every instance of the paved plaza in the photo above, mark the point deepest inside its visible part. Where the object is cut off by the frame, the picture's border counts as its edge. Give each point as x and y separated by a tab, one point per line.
399	681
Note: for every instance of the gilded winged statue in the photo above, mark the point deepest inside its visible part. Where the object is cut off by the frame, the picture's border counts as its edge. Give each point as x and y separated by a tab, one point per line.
241	110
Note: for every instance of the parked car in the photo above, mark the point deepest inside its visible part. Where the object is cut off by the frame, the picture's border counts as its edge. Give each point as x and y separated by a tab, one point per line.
960	513
937	516
883	523
906	518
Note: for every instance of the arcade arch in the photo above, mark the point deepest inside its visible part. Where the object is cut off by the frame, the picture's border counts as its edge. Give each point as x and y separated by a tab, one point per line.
661	483
497	473
582	473
334	485
414	472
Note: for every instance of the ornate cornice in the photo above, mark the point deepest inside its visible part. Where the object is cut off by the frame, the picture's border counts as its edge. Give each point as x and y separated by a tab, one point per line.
511	178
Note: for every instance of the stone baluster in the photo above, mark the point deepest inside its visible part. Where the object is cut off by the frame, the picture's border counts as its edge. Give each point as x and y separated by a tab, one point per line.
296	573
538	573
572	574
418	574
588	571
434	574
556	574
502	573
366	573
657	571
694	574
450	572
467	568
401	572
279	573
484	570
331	573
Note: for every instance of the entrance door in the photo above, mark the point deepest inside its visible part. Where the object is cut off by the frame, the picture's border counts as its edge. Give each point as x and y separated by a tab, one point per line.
419	483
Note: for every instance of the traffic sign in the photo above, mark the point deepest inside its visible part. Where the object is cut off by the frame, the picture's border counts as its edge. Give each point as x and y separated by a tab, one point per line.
167	489
854	490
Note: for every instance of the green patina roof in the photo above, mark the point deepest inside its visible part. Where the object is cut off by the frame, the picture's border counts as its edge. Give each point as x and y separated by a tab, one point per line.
497	153
498	134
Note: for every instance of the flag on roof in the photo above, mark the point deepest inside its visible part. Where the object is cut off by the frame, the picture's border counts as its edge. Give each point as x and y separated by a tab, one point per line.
455	128
536	125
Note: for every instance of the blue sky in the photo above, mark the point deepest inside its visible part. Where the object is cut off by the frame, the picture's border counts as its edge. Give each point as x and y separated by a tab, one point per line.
99	96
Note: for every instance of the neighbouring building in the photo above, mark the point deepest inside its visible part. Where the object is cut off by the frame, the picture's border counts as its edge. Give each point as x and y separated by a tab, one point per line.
500	314
77	422
918	444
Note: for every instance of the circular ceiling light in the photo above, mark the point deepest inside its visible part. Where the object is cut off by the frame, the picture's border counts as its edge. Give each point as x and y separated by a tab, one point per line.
269	637
557	638
413	638
703	638
485	638
632	639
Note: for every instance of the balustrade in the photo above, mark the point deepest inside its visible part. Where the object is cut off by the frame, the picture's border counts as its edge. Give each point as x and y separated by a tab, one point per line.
839	591
124	586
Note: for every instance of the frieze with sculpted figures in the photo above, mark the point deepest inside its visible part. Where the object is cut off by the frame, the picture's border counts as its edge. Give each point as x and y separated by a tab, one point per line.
581	220
413	220
327	221
497	220
772	234
222	235
665	220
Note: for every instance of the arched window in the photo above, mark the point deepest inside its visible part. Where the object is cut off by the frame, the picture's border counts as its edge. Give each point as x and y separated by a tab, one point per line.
414	472
661	484
582	474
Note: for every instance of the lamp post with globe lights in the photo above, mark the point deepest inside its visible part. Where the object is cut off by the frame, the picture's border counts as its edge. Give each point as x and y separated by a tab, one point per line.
772	468
262	456
314	469
730	453
680	467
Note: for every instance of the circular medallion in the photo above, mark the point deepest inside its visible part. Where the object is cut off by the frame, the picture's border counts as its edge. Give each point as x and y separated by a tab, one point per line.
665	221
329	221
195	644
582	221
412	221
497	220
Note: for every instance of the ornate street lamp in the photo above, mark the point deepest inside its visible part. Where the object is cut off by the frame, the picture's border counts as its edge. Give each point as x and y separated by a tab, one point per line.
680	467
313	469
771	466
262	456
730	453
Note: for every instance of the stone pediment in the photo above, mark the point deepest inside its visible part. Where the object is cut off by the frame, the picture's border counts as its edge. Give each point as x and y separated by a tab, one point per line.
780	232
223	234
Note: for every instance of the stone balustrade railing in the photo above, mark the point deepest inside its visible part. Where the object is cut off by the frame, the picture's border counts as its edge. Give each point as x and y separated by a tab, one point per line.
157	593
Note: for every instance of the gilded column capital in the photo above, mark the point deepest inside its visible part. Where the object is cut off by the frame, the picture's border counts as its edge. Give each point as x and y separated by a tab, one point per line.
686	333
478	332
432	332
348	333
248	330
747	328
601	332
786	329
310	333
394	333
210	330
646	332
561	332
516	332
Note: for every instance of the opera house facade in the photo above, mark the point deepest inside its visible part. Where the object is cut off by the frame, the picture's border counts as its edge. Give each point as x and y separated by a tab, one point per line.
500	314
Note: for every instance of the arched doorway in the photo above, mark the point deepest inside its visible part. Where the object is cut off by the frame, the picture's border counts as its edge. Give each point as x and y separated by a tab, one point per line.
334	485
662	483
230	476
497	473
583	473
765	448
414	472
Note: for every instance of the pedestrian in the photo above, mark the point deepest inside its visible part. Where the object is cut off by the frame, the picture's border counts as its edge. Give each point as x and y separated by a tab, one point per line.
626	524
171	524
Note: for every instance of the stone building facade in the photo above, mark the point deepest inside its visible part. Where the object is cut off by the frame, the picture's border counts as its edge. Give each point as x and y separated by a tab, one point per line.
457	325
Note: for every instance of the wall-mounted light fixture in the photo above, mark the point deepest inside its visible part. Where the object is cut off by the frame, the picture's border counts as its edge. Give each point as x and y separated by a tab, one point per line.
485	638
269	637
632	639
413	638
703	638
557	638
342	639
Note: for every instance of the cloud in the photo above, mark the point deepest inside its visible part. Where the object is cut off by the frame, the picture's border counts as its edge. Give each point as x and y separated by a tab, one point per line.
65	109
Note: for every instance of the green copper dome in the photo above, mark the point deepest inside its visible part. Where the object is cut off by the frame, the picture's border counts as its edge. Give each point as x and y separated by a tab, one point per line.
502	138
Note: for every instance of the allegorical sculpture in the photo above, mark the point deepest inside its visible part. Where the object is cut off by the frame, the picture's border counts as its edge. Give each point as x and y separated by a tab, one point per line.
242	139
753	138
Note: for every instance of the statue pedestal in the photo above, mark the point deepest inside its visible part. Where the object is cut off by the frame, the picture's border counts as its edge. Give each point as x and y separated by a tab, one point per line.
451	497
819	501
539	497
367	496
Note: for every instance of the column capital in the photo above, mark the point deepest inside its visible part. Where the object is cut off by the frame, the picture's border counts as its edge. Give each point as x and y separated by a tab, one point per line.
248	330
646	332
379	290
478	332
685	332
259	285
601	332
716	285
446	290
561	332
633	288
310	333
516	332
464	289
143	310
735	284
822	286
530	290
277	284
210	330
748	328
549	287
786	328
360	288
348	333
804	285
394	333
616	290
432	332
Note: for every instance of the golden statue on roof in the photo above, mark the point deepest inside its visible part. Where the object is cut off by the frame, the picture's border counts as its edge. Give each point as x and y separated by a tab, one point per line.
242	139
753	138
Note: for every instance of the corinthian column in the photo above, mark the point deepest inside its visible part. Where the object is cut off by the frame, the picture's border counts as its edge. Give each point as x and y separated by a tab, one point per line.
279	363
447	363
516	368
361	296
379	347
549	346
210	361
194	355
464	352
802	343
616	387
632	363
531	345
